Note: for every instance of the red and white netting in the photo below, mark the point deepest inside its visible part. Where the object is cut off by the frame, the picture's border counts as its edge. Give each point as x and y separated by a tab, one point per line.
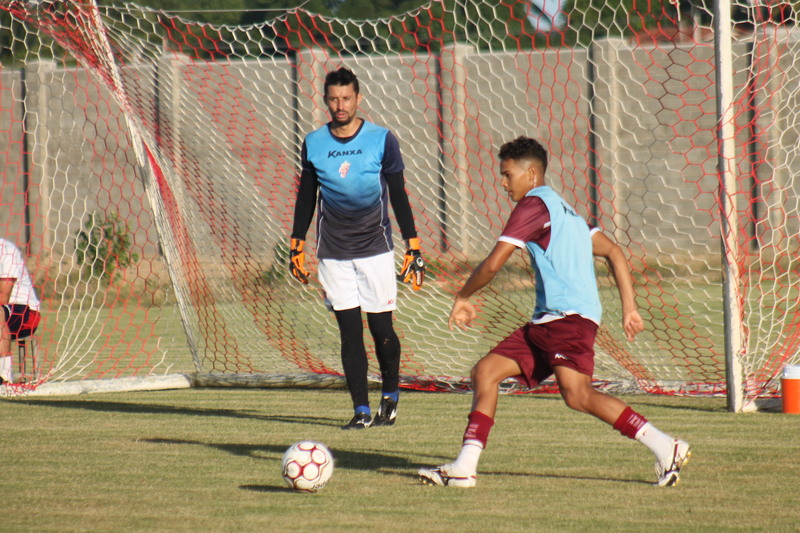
172	147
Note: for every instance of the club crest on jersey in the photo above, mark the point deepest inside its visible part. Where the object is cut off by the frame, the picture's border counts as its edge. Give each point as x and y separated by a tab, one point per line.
343	169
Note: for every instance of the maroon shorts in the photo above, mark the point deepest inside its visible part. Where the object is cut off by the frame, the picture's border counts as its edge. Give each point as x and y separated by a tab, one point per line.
537	348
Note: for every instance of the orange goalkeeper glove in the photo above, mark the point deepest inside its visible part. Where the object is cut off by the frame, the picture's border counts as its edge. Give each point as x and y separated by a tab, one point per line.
297	258
413	268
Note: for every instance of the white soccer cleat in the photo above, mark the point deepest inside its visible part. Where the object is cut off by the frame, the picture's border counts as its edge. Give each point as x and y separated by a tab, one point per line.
444	476
668	469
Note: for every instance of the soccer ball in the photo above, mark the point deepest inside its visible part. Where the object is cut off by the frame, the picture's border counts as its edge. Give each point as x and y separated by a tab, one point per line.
307	466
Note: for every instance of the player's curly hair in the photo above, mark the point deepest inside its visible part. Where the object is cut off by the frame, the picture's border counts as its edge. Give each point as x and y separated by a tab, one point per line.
342	77
523	148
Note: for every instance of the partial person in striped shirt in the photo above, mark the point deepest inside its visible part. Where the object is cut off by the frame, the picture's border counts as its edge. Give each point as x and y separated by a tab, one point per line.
20	305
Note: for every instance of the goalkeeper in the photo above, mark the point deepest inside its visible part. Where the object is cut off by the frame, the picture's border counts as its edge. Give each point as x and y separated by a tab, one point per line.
357	169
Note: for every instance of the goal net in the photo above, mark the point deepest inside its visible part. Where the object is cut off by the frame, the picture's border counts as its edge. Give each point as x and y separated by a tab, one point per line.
149	167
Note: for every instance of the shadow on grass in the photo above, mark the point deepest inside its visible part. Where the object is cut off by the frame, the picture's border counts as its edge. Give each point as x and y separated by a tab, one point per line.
369	460
376	461
562	476
379	462
413	476
350	459
686	407
271	488
690	404
139	408
413	479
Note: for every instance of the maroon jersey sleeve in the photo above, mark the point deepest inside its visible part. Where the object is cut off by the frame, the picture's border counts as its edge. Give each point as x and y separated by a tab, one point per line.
528	222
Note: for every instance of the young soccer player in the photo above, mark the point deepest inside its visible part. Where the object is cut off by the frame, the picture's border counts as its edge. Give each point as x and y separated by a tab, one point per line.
559	338
357	168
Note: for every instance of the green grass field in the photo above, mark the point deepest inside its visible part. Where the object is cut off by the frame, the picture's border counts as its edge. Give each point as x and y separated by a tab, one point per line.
208	460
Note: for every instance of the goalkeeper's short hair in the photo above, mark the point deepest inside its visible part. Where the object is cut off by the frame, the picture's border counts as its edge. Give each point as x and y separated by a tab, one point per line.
341	77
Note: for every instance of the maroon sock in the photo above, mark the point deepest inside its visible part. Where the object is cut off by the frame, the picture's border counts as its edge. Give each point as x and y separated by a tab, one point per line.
629	423
478	427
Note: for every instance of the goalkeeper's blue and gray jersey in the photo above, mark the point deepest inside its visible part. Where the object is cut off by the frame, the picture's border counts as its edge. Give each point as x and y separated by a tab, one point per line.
355	177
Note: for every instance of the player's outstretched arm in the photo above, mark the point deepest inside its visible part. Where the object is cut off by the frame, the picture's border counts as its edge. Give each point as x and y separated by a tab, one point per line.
463	312
602	246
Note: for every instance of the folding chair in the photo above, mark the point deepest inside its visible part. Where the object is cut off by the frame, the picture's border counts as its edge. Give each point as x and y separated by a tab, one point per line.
27	346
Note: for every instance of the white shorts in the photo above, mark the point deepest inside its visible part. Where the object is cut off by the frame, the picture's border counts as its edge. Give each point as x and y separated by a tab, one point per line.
368	283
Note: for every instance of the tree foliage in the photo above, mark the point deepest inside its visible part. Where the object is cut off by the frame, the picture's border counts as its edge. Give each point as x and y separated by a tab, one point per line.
104	246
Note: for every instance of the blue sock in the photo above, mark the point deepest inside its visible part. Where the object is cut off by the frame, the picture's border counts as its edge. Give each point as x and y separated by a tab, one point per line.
393	395
363	409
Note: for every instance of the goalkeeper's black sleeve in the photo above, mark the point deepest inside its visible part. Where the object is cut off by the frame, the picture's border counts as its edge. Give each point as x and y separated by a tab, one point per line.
402	208
305	204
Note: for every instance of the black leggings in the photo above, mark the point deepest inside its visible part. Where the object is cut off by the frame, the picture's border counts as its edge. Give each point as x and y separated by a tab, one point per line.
354	354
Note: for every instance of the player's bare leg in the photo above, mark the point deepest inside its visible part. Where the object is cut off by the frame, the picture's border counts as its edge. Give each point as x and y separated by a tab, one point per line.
6	375
579	394
486	376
